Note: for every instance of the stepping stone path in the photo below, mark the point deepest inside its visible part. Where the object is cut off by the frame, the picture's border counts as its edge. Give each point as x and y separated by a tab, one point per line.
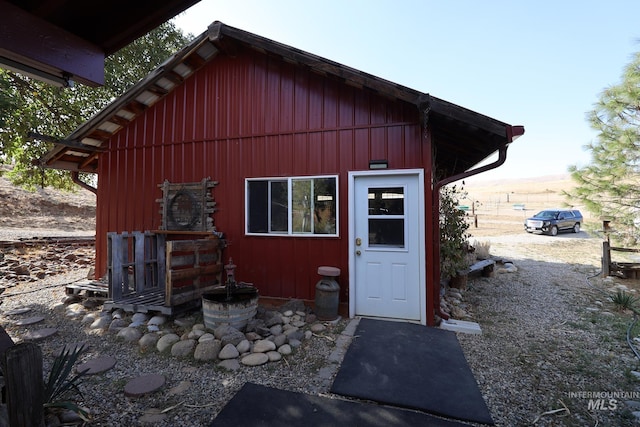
97	365
144	384
18	311
29	321
40	334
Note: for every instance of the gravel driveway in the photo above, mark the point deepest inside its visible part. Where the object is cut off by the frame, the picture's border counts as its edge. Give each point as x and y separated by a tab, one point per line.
551	340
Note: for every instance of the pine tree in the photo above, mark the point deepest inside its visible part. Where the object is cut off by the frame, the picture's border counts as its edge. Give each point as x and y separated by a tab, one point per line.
609	185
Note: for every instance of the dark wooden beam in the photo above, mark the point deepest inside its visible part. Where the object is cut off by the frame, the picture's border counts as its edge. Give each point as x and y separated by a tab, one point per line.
42	49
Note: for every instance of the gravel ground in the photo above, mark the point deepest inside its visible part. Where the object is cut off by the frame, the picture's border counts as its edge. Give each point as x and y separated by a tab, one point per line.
549	334
194	391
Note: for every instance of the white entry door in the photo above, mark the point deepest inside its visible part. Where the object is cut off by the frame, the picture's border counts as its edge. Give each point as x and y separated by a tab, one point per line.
388	246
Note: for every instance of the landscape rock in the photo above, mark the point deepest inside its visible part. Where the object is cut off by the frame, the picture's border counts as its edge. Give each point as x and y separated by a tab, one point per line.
243	346
129	334
229	351
166	342
263	346
285	350
149	340
255	359
207	350
117	324
232	336
183	348
274	356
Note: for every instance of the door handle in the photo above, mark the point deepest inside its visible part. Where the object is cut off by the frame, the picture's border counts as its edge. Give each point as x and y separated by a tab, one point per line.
358	253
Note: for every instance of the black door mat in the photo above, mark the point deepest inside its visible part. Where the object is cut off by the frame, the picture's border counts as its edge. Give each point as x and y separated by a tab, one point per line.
260	406
411	366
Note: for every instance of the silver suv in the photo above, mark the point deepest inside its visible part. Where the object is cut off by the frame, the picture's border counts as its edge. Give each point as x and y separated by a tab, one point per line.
552	221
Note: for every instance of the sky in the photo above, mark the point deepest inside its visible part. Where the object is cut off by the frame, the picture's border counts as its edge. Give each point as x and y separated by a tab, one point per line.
541	64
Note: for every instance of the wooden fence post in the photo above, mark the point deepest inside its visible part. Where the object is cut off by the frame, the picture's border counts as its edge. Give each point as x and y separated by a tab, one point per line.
22	369
606	259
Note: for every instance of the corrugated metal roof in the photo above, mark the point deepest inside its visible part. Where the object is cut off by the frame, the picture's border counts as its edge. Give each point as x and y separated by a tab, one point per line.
462	137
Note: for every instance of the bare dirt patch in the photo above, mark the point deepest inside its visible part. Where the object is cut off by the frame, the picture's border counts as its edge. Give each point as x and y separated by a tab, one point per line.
45	212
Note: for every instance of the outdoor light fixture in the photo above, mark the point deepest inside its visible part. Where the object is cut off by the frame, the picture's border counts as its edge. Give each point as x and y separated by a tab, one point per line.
378	164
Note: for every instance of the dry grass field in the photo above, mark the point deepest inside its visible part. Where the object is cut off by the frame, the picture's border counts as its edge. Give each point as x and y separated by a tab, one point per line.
502	206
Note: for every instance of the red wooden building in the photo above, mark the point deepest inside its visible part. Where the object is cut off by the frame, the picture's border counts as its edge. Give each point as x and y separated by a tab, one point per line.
316	163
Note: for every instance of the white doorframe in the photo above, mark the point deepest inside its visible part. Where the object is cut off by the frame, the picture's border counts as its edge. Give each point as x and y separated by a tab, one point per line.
419	173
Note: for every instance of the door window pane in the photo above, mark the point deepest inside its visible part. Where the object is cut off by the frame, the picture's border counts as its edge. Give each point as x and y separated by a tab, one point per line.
386	201
386	216
386	232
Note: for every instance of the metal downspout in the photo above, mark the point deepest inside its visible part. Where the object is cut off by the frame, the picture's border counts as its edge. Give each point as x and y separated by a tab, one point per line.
513	132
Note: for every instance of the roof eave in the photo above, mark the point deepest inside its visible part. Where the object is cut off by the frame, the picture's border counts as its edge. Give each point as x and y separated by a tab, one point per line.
221	37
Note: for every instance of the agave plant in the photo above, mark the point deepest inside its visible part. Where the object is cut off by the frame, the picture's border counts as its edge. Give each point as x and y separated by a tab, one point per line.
624	300
62	385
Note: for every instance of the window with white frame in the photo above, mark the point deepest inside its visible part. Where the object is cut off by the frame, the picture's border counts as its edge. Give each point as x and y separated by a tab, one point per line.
297	206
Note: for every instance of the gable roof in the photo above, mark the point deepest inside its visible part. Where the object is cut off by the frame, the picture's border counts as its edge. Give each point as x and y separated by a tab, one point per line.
462	137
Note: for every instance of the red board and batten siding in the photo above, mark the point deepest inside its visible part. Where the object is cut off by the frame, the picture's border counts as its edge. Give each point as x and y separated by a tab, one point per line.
255	116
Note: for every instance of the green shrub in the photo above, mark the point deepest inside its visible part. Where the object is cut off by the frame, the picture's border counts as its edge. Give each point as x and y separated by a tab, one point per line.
453	232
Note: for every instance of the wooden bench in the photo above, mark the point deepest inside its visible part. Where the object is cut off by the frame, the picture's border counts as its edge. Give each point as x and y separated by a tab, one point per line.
485	266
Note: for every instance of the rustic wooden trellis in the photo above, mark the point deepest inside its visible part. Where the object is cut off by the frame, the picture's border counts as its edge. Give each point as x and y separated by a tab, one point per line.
187	206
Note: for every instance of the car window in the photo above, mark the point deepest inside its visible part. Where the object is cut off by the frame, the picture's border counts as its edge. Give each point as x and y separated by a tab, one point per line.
546	214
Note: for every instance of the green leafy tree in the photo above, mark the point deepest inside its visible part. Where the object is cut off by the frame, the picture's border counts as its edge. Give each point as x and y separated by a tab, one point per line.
30	106
453	232
608	186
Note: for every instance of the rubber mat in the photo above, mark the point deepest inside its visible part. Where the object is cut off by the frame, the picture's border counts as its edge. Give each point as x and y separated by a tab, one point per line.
260	406
411	366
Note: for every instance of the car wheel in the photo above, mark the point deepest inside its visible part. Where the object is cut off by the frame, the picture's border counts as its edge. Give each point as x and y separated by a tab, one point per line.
553	231
576	228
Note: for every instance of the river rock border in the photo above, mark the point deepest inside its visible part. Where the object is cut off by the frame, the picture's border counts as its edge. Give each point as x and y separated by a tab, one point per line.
271	334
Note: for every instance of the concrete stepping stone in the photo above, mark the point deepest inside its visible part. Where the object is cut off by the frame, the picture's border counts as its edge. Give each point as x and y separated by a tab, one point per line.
17	311
29	320
40	334
97	365
144	384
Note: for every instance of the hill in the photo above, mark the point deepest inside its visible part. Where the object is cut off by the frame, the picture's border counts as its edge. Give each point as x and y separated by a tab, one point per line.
45	212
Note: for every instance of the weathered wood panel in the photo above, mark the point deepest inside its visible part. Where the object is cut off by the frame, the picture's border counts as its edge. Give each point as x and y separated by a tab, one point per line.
136	263
186	282
22	370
